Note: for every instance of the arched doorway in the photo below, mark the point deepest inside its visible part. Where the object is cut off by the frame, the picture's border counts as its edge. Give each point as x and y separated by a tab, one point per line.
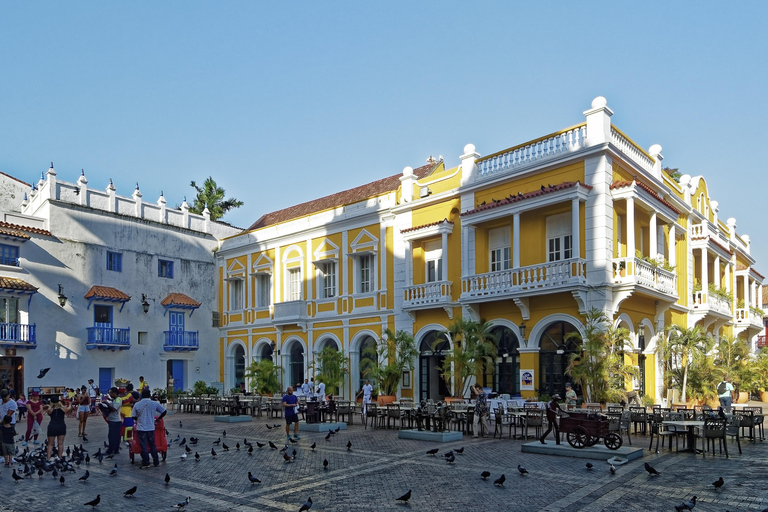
431	385
505	377
266	352
367	359
296	364
239	366
554	352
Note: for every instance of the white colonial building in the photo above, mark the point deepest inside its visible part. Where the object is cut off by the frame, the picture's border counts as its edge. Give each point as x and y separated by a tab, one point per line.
96	285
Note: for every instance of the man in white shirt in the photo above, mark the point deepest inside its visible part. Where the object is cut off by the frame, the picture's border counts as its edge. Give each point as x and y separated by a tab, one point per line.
321	390
8	407
144	416
367	392
305	388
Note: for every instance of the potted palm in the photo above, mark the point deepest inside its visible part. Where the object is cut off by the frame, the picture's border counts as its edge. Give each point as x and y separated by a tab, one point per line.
395	354
331	366
264	377
474	348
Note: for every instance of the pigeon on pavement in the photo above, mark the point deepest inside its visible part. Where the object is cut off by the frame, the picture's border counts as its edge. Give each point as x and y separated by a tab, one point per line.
650	470
589	466
181	505
349	445
325	463
213	452
253	479
500	481
718	483
451	459
130	492
84	478
612	469
167	479
405	497
485	474
93	502
306	506
114	471
521	469
433	451
313	446
272	445
686	505
460	451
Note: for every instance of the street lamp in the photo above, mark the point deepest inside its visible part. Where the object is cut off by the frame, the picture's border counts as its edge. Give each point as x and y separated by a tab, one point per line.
62	298
144	303
522	331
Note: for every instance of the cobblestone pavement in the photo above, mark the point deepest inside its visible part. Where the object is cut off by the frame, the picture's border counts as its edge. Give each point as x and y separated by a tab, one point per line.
381	467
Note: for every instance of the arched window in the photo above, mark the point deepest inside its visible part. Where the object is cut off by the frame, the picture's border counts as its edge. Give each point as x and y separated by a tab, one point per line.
296	369
368	358
431	385
239	362
504	377
553	358
266	352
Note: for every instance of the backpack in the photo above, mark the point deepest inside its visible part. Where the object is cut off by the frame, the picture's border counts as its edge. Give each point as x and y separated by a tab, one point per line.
722	388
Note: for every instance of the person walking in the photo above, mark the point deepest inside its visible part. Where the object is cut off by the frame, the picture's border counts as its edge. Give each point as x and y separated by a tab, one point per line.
321	390
289	406
57	428
142	384
725	391
553	411
481	411
21	404
111	409
34	417
367	392
83	410
145	421
92	394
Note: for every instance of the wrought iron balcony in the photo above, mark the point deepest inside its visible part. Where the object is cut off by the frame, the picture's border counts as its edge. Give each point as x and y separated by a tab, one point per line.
17	335
108	338
180	341
761	342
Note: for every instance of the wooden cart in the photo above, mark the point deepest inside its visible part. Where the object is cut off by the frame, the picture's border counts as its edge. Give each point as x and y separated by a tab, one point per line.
586	429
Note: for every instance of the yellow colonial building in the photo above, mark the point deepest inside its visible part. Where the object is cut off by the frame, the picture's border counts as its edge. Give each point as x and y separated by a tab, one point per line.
528	238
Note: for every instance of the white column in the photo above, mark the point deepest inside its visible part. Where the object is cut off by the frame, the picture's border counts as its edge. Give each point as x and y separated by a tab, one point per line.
630	227
310	271
277	273
445	258
653	237
753	294
344	263
704	271
575	228
383	254
671	249
727	271
717	271
408	263
516	240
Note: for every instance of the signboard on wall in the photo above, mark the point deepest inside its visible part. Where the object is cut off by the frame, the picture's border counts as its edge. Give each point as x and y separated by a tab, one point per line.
526	380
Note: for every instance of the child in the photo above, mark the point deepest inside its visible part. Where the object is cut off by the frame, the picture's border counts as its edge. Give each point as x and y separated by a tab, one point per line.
8	435
22	404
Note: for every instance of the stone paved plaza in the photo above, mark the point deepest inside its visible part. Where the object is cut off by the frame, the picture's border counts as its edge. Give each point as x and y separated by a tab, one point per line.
381	467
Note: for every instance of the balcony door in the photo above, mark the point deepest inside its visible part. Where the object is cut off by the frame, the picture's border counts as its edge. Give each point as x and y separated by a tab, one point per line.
554	354
176	326
102	318
431	384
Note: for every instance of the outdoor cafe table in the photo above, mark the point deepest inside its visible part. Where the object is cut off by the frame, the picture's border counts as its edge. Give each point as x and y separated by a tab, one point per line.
691	425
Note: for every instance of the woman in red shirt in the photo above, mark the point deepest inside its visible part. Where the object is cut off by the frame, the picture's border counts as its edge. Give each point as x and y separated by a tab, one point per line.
34	413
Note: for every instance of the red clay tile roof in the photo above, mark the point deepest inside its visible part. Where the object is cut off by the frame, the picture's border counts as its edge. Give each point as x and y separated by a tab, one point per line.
106	292
740	266
625	183
515	198
353	195
415	228
9	283
179	299
7	226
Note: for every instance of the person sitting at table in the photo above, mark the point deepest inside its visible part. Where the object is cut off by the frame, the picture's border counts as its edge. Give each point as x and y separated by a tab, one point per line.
571	398
553	411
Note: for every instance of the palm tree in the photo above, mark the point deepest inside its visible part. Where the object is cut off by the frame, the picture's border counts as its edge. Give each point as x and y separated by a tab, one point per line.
688	344
474	348
211	196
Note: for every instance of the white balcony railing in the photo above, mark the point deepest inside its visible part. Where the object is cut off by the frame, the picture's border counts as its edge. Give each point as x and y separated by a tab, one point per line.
428	293
638	271
747	316
712	302
567	141
290	312
557	274
635	154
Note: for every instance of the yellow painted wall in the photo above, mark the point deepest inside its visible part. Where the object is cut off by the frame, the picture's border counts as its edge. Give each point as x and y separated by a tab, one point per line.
570	172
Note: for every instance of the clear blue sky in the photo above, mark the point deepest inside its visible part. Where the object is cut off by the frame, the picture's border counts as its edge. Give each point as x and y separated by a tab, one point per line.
282	102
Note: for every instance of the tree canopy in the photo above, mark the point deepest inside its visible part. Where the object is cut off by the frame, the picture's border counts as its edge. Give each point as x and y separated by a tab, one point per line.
211	196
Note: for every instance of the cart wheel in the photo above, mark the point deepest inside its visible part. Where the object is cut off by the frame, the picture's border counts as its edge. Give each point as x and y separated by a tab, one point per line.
164	455
592	441
578	437
613	441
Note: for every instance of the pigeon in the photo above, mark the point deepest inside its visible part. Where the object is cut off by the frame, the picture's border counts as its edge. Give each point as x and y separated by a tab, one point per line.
330	431
433	451
349	445
246	443
167	479
62	480
179	424
197	456
521	469
294	454
612	469
448	454
224	434
650	470
292	440
336	430
84	478
325	463
55	473
193	440
226	448
181	505
718	483
43	372
250	449
589	466
543	188
253	479
16	477
686	505
328	437
40	473
94	502
87	459
269	427
405	497
217	442
85	439
130	492
485	474
183	442
187	449
451	459
313	446
272	445
284	449
213	452
114	471
500	481
237	446
261	445
306	506
460	451
286	457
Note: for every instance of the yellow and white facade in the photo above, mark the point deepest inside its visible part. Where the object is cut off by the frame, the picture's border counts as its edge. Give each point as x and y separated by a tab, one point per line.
528	238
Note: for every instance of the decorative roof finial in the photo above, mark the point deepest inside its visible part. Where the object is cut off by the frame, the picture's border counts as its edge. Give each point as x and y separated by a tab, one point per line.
51	165
137	185
82	172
